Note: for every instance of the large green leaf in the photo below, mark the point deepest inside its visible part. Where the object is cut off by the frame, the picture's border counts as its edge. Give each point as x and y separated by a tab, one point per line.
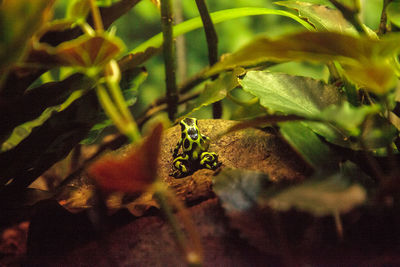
365	61
336	120
217	17
322	17
309	146
289	94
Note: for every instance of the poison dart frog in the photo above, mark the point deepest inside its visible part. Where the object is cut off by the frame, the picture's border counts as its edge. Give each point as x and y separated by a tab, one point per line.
194	150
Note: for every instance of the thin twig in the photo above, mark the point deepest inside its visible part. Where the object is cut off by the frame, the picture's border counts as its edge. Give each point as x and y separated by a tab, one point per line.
169	58
212	44
181	60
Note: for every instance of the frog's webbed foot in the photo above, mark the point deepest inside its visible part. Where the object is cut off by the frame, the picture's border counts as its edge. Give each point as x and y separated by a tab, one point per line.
209	160
181	166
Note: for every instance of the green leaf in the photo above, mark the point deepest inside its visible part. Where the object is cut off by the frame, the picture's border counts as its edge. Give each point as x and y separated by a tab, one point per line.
215	91
289	94
347	116
322	195
309	146
365	61
31	110
322	17
336	120
217	17
393	12
239	190
49	143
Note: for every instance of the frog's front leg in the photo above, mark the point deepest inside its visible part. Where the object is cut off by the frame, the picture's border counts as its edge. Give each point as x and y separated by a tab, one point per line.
209	160
181	166
176	150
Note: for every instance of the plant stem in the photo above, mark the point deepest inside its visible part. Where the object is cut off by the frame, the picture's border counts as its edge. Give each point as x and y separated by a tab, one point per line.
98	23
181	59
383	22
212	44
169	58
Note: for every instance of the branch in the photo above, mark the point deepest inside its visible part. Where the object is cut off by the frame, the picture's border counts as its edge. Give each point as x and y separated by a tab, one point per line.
169	58
212	44
383	22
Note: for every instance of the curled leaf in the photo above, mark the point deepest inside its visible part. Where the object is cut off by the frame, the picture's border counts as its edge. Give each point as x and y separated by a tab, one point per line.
85	51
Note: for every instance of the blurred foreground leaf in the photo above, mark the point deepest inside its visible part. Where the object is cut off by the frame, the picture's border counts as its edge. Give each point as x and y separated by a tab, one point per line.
239	190
321	196
132	172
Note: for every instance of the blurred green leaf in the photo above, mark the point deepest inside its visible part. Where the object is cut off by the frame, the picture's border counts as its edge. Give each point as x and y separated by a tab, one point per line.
217	17
322	17
393	12
322	195
19	20
309	146
365	61
239	190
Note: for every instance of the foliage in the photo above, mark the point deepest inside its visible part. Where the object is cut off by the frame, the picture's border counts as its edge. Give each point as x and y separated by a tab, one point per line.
63	81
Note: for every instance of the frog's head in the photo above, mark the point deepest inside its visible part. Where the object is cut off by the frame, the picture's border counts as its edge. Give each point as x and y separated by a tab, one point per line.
188	122
189	128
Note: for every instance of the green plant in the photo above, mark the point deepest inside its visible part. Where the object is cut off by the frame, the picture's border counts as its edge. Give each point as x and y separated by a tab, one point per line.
64	81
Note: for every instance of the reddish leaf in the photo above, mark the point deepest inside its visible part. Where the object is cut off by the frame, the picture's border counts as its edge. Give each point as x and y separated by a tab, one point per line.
131	172
85	51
